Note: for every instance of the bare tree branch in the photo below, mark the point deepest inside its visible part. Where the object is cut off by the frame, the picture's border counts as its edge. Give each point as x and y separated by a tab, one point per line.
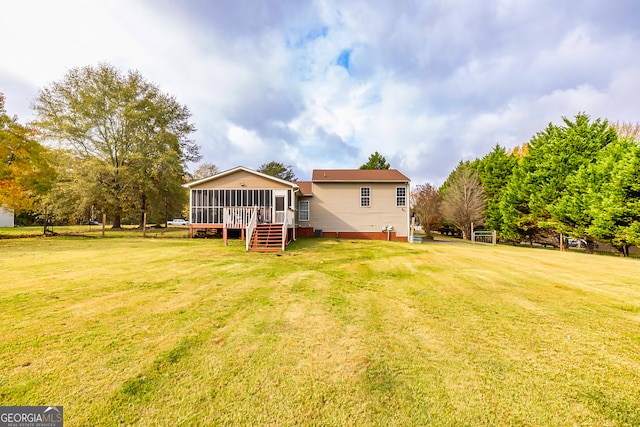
464	201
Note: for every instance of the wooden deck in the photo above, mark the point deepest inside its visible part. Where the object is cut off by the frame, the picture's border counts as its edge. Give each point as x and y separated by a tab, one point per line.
263	237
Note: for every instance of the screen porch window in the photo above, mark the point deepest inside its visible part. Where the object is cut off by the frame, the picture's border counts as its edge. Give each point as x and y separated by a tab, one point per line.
303	210
401	196
365	197
207	205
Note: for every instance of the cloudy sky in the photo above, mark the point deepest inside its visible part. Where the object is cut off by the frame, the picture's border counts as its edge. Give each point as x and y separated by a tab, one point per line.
323	84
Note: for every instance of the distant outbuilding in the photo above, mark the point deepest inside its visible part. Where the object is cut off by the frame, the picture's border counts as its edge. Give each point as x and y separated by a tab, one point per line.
7	217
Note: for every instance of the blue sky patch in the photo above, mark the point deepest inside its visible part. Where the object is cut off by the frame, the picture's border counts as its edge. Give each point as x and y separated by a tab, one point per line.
317	33
310	36
343	59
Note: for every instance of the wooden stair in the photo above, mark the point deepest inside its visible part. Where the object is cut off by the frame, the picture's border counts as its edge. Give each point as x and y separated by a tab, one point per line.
266	238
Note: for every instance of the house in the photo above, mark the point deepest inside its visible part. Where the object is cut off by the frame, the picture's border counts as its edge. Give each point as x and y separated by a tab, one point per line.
6	217
356	204
269	212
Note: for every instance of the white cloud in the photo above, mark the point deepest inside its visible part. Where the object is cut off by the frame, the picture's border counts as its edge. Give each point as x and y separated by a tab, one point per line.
429	83
247	141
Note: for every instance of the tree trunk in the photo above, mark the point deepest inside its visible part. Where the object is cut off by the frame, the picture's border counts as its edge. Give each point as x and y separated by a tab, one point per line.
623	250
166	212
564	243
143	204
117	221
427	232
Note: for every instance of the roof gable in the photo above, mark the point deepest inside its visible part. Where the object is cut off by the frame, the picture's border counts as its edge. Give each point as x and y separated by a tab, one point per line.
358	175
236	170
306	187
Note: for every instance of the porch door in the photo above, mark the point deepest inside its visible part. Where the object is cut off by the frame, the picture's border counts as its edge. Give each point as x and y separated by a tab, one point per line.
279	203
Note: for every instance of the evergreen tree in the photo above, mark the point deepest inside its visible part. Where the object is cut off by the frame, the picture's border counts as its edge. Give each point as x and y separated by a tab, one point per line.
494	171
531	203
613	195
279	170
376	161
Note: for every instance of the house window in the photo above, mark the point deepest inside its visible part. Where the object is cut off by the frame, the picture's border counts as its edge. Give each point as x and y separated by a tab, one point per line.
401	196
365	197
303	210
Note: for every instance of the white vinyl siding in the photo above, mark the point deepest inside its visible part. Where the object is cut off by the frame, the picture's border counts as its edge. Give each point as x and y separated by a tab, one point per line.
337	207
365	197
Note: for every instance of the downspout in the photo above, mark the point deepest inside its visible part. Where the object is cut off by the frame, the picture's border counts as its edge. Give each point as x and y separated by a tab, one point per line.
190	213
408	208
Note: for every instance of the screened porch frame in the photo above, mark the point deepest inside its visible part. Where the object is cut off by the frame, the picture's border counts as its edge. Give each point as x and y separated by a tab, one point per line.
208	205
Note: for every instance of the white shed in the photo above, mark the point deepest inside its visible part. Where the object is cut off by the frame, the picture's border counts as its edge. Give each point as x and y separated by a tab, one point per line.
6	217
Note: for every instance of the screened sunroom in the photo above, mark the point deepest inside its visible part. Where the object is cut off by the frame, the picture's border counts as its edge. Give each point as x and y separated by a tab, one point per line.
270	205
245	200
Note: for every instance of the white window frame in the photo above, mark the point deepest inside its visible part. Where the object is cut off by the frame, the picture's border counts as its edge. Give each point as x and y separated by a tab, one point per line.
365	199
403	197
301	210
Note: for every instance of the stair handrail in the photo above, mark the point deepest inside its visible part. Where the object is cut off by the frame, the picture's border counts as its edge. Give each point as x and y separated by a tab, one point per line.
291	217
251	226
284	234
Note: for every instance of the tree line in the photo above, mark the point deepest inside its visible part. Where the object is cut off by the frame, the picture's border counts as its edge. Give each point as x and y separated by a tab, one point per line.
579	179
102	141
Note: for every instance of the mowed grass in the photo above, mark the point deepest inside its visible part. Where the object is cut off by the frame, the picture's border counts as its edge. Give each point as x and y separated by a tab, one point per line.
95	231
132	331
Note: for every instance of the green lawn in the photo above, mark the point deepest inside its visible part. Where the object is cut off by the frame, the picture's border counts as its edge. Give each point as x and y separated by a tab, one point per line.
94	231
132	331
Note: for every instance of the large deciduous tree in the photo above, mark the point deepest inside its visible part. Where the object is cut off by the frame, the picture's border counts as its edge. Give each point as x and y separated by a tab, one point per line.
376	161
279	170
427	207
205	170
25	171
464	200
135	137
627	130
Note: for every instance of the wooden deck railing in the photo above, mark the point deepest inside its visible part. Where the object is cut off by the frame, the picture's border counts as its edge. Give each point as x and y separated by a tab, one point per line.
237	217
247	218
